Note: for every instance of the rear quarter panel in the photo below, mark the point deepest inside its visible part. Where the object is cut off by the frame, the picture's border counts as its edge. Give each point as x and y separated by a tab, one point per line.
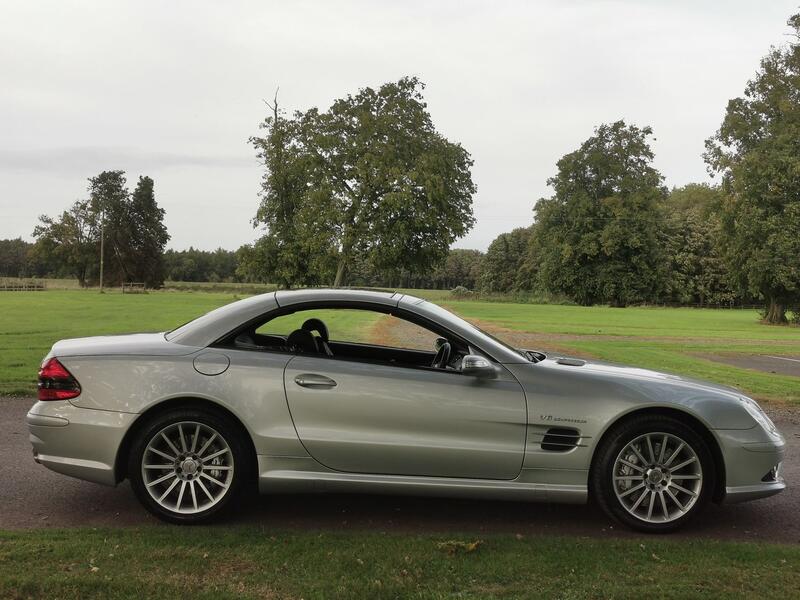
251	388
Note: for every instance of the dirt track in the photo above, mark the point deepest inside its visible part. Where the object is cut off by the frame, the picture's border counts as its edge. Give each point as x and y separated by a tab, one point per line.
783	365
32	496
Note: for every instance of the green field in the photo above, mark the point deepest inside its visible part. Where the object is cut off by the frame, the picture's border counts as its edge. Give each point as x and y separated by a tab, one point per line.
662	338
174	562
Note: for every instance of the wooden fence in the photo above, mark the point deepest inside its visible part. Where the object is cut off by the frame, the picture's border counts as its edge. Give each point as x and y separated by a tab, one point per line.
22	286
133	288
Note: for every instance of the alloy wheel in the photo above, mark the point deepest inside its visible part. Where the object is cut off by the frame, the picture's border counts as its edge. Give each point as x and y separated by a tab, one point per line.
187	467
657	477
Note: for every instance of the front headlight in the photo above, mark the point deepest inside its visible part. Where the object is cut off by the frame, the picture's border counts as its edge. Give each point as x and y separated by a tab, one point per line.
755	411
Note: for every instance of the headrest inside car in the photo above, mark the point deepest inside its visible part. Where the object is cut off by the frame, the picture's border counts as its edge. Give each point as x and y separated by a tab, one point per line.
301	340
317	325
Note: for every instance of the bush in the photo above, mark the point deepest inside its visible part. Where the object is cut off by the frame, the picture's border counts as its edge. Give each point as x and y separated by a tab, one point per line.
460	293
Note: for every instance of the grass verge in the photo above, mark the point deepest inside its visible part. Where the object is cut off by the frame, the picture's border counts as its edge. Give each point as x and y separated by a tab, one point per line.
166	562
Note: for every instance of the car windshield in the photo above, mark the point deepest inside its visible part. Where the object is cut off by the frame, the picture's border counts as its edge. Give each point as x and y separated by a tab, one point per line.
447	316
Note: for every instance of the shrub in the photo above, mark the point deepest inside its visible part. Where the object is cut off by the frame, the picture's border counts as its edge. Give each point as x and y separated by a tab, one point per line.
460	293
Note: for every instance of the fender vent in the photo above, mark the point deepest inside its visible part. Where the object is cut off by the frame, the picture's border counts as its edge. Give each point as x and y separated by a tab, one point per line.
560	439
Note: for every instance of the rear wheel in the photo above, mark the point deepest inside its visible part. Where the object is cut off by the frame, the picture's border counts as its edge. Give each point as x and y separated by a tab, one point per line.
653	474
187	466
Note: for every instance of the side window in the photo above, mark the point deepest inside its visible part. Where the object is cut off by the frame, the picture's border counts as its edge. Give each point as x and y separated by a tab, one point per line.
344	325
356	326
399	333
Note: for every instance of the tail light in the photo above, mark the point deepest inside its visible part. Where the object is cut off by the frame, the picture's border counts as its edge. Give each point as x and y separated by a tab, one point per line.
56	383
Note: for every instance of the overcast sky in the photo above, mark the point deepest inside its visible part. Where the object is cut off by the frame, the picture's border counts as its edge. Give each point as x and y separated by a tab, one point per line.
174	89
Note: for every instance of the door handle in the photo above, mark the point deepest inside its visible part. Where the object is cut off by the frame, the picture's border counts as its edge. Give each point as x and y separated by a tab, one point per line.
311	380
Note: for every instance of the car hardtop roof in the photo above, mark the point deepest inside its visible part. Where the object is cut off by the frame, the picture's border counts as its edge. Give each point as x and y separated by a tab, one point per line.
211	326
300	296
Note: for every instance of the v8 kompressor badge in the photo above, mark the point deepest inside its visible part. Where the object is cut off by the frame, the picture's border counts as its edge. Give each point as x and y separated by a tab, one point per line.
561	419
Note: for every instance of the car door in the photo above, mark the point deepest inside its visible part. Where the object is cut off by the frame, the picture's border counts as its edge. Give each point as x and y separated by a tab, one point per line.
366	417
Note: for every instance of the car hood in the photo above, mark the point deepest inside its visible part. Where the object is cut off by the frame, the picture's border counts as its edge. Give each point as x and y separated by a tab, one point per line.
134	344
618	371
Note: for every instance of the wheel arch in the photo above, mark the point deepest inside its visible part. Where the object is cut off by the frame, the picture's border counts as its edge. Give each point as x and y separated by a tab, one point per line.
186	402
685	417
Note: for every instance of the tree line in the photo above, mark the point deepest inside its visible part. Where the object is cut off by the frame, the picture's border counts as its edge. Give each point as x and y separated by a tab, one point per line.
370	186
369	192
127	225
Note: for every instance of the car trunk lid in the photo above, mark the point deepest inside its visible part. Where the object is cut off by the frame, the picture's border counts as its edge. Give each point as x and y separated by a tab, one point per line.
135	344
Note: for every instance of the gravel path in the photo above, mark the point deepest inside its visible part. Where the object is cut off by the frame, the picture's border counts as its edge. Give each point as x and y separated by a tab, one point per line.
782	365
31	496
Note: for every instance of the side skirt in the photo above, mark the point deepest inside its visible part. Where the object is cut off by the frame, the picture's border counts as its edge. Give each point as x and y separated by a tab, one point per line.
304	475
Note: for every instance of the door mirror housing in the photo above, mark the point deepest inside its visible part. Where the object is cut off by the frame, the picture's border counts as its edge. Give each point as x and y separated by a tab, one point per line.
478	366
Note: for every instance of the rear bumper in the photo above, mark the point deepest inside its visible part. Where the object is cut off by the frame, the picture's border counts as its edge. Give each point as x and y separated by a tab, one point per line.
753	460
78	442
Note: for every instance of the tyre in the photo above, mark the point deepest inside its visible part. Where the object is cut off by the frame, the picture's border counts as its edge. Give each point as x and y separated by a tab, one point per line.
653	474
187	466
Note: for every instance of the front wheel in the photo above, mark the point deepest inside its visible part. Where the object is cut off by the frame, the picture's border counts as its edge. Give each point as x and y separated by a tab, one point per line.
653	474
187	466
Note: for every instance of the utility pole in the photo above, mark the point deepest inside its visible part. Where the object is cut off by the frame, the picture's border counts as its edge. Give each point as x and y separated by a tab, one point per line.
102	227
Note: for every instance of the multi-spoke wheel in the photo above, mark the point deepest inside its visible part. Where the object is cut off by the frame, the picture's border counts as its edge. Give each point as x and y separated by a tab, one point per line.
653	473
185	466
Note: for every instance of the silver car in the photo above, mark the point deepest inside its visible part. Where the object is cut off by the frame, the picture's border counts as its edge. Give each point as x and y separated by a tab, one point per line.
260	390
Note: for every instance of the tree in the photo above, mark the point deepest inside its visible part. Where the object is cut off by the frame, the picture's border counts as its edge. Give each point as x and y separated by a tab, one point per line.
202	265
691	237
597	236
109	202
258	262
148	235
70	240
133	231
370	179
503	267
14	258
461	267
756	152
283	255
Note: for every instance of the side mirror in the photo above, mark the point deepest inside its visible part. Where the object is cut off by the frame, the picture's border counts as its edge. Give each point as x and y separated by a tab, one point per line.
477	366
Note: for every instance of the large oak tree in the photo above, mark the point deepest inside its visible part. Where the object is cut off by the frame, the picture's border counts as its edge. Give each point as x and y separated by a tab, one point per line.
757	152
370	178
596	238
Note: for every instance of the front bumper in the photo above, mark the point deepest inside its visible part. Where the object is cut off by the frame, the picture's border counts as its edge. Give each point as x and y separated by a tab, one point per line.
753	458
79	442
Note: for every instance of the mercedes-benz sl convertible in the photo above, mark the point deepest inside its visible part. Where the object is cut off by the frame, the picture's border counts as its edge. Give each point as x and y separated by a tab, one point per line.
364	391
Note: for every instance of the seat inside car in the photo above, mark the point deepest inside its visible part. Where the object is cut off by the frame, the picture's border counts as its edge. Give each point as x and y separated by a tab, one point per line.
312	325
301	340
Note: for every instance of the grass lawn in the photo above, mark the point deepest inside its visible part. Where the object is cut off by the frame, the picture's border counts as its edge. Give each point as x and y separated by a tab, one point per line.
682	323
172	562
660	338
